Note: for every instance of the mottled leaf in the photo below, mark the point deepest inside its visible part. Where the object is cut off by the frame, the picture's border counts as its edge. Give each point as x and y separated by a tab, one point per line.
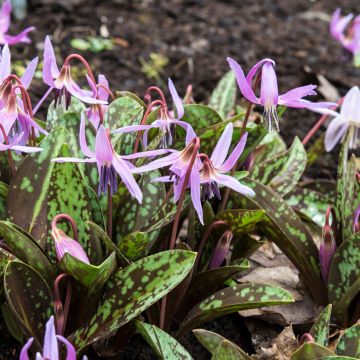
320	330
349	342
283	172
316	150
232	299
240	220
227	351
11	323
284	227
132	96
344	277
200	116
133	289
134	245
311	351
223	97
5	257
164	345
27	250
29	298
271	146
91	276
4	188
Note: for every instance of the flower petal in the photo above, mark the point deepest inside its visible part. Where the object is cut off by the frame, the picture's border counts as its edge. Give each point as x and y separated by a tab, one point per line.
26	149
335	131
70	350
350	108
50	69
298	93
243	84
176	99
50	348
130	128
80	94
21	37
157	164
82	137
102	93
256	67
29	72
269	88
5	17
126	176
103	149
5	64
222	147
195	192
24	351
149	153
73	159
234	156
233	184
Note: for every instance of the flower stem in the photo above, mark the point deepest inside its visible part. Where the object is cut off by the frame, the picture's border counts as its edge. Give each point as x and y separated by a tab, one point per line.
71	221
9	153
110	212
318	125
61	311
102	86
84	62
156	89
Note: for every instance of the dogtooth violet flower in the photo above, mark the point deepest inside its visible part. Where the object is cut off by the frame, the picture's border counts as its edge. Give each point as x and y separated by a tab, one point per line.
109	163
209	173
168	119
269	94
348	35
5	19
349	116
50	345
14	145
61	80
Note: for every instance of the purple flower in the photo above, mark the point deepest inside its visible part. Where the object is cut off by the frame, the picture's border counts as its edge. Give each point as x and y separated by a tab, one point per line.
61	80
5	17
50	346
221	250
64	244
269	95
349	116
109	163
15	147
347	36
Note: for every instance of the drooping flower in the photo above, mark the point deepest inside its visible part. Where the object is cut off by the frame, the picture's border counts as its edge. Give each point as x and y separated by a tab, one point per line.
221	250
50	345
348	35
61	80
269	95
109	163
349	116
5	18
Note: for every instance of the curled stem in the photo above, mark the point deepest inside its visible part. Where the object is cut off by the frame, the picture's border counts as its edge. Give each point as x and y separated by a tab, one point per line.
67	217
62	311
84	62
102	86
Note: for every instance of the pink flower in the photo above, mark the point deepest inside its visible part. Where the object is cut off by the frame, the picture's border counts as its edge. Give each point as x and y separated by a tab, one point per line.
5	17
269	94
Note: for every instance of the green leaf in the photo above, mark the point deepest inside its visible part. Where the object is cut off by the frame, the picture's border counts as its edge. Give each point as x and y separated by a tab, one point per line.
285	228
344	277
11	323
200	116
335	357
349	342
5	257
4	188
316	150
165	346
132	96
311	351
232	299
271	146
132	216
227	351
91	276
283	172
29	298
25	248
240	220
211	342
223	97
320	330
134	245
124	111
132	290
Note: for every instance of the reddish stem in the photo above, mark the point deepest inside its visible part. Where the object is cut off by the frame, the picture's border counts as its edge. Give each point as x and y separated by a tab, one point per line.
68	218
84	62
110	213
62	312
156	89
102	86
9	153
318	125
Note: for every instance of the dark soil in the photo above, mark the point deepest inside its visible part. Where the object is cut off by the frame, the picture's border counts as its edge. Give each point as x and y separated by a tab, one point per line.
196	36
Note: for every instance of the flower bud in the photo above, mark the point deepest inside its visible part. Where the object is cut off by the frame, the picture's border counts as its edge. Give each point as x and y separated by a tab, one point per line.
221	250
64	244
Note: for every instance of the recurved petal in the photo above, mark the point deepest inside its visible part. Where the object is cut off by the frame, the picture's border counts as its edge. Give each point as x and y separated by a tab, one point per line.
243	84
24	351
157	164
130	128
335	131
73	159
82	137
150	153
222	147
5	63
195	193
269	88
233	184
5	18
234	156
102	93
26	149
70	350
29	72
298	93
19	38
103	149
50	347
50	69
256	67
350	108
176	99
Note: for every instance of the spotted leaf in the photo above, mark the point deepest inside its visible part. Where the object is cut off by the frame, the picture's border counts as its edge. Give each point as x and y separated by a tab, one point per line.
228	351
165	346
200	116
232	299
349	342
134	245
320	330
132	290
311	351
29	298
271	146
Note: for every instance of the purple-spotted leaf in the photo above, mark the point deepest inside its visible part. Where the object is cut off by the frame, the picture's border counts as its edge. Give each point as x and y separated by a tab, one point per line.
207	282
320	330
349	342
228	351
25	248
132	290
211	342
282	172
240	220
233	299
29	298
91	276
344	277
164	345
311	351
223	97
283	226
